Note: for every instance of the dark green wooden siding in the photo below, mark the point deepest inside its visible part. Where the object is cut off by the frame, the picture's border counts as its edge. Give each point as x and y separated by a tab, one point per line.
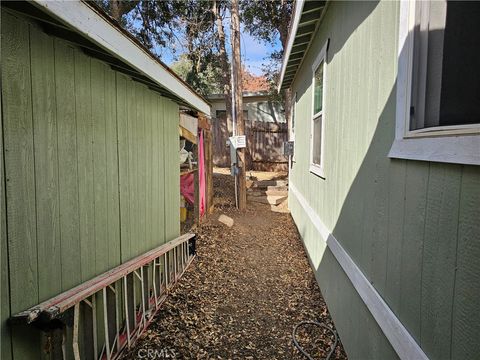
91	171
412	227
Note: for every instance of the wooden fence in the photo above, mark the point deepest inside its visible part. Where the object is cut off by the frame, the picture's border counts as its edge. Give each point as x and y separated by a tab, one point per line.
264	144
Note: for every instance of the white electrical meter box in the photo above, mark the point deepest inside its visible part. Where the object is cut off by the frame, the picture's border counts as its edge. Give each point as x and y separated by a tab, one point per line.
239	141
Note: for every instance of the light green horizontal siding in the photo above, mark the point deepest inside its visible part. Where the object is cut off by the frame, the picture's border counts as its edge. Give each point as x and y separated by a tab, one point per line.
90	156
408	225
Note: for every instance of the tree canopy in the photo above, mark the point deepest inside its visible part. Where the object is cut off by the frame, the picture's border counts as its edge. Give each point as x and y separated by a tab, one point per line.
194	30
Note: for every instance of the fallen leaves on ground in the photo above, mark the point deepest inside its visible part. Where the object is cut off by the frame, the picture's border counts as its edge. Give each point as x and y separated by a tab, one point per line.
249	285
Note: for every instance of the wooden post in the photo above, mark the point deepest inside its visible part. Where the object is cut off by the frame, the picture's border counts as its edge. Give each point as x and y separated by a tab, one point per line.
209	169
237	80
205	125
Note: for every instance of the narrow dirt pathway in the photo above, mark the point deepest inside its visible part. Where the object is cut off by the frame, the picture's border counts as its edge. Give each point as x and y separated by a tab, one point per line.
248	287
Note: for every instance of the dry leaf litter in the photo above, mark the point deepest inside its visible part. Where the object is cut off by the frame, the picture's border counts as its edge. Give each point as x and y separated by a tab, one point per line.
249	285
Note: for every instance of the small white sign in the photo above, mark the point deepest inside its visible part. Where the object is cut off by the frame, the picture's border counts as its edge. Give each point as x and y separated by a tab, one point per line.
239	141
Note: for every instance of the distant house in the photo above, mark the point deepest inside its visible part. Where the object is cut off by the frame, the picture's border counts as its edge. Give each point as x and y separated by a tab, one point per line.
385	183
266	130
89	170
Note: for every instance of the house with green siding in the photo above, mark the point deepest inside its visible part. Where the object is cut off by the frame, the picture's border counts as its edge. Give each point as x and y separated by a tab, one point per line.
385	178
89	155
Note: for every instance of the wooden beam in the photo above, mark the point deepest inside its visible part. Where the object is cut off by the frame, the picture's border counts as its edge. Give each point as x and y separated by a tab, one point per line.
185	133
209	170
296	56
312	5
309	29
296	14
310	17
299	48
304	39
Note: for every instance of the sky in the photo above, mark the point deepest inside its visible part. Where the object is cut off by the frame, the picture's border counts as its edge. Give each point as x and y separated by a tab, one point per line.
253	52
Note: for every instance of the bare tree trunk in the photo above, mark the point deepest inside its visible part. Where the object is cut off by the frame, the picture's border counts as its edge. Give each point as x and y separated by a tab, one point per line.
118	8
227	91
115	10
283	28
237	76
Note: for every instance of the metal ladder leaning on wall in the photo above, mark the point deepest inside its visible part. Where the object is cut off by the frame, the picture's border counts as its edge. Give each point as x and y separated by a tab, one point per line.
130	296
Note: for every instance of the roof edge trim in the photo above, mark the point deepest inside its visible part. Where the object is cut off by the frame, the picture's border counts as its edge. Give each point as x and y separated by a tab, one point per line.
85	20
291	38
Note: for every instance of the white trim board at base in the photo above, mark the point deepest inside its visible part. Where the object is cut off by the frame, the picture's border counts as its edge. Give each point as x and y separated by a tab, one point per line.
402	342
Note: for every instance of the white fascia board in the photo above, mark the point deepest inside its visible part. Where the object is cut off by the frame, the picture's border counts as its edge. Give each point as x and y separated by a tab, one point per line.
83	19
291	38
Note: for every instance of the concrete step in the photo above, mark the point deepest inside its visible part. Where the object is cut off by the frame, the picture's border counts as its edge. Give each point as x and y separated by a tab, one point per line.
269	188
270	199
267	183
267	192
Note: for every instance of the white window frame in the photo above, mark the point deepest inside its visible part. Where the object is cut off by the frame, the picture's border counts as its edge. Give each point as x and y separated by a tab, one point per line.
458	144
319	169
293	122
293	113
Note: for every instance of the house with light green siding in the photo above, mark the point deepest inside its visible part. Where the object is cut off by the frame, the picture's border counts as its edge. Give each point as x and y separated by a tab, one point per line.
89	163
385	178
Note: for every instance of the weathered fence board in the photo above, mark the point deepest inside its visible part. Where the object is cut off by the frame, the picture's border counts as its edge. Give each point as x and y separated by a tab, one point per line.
264	144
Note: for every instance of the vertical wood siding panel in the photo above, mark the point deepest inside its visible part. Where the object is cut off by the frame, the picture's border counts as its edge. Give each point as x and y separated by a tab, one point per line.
113	236
155	240
67	165
466	316
396	213
141	173
20	178
160	141
100	179
132	163
95	144
172	171
5	336
440	246
137	241
46	164
416	185
86	190
99	165
123	154
149	170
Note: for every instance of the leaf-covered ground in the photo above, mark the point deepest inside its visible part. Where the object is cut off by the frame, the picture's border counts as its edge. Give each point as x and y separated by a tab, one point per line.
247	288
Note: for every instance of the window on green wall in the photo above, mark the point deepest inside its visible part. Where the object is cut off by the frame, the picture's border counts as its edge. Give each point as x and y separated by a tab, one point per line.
318	90
318	117
438	82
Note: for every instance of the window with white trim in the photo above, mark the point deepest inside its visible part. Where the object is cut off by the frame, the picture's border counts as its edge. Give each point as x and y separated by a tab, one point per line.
318	117
293	109
446	65
438	83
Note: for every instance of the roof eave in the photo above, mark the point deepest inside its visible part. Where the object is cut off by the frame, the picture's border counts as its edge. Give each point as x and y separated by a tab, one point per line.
306	17
85	20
